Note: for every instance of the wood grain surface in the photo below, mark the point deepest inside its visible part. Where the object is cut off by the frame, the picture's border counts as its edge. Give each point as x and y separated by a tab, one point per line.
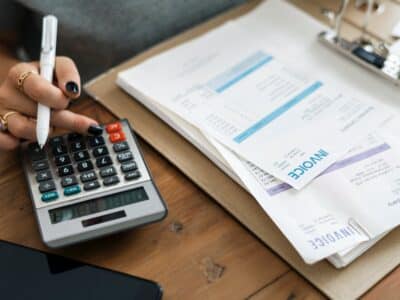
198	252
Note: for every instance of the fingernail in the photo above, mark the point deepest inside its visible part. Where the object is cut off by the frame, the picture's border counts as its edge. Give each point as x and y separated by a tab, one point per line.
72	87
95	129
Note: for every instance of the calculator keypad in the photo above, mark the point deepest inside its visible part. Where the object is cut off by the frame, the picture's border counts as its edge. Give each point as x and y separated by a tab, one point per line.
129	166
65	170
122	146
36	153
117	137
75	164
47	186
100	151
62	160
132	175
92	185
111	180
95	141
88	176
81	155
40	165
103	161
72	190
59	149
108	171
43	175
77	146
84	166
68	181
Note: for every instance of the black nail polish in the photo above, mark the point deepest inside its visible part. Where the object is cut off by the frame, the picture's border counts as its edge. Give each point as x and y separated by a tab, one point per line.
95	129
72	87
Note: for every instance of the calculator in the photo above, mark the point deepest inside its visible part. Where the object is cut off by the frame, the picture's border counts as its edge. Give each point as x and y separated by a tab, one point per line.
84	187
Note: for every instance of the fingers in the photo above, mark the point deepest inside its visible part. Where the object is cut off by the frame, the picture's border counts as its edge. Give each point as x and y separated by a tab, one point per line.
22	127
12	99
68	76
8	142
37	88
71	121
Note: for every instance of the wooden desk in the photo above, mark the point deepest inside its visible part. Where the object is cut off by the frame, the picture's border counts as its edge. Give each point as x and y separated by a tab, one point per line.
198	252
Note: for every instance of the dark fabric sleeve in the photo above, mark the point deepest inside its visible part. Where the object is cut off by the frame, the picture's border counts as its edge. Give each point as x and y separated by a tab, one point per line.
11	14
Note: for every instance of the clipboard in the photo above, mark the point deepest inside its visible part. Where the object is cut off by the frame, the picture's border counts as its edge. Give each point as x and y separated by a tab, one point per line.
347	283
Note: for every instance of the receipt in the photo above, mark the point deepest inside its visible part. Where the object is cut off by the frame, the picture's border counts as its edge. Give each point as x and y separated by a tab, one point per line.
343	206
283	120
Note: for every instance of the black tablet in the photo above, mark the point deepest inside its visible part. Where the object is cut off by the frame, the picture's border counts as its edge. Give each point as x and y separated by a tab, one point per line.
30	274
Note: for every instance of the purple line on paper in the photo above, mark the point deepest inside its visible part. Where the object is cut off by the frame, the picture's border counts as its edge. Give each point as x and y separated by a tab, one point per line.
279	188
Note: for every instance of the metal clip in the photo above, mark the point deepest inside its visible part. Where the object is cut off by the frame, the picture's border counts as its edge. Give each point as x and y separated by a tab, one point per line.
336	18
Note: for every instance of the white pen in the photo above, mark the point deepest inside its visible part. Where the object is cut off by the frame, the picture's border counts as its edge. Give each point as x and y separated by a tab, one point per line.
47	62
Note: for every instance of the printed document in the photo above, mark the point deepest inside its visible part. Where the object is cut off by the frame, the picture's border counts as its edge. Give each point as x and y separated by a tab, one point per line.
286	122
343	206
350	201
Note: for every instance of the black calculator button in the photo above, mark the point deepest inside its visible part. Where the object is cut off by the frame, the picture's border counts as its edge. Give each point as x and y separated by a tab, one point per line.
59	150
81	155
40	165
110	180
65	171
57	140
125	156
85	166
62	160
132	175
68	181
128	166
46	186
122	146
91	185
35	152
77	146
43	176
103	161
95	141
100	151
74	136
88	176
107	171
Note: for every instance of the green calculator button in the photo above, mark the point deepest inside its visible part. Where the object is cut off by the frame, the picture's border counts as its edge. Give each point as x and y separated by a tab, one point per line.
71	190
49	196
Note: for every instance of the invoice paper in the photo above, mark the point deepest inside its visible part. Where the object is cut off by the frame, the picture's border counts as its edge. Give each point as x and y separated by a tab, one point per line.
288	123
356	199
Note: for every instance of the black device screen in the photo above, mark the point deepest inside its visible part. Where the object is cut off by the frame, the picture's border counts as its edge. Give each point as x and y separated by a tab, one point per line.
30	274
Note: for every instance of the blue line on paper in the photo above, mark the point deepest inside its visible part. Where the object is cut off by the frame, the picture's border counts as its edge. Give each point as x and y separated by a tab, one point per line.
277	113
239	71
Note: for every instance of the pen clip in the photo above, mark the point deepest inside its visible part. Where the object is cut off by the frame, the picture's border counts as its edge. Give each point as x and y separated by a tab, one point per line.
49	35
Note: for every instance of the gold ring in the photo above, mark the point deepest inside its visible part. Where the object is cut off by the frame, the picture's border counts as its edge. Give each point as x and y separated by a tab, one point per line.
4	120
21	79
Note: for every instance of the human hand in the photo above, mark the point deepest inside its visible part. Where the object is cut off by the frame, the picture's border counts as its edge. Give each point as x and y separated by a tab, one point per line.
24	88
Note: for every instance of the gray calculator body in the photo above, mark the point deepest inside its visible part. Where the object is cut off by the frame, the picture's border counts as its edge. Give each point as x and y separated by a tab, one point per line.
119	193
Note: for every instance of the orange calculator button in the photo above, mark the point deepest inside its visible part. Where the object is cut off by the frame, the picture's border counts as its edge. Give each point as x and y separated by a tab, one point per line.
113	127
117	137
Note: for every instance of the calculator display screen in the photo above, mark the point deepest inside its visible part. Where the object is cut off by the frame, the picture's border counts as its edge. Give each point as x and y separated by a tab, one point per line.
93	206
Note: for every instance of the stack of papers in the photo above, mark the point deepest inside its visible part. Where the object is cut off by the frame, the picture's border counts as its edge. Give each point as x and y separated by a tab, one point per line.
290	122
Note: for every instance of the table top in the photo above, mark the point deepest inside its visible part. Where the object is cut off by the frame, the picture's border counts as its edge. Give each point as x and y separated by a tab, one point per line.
198	252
